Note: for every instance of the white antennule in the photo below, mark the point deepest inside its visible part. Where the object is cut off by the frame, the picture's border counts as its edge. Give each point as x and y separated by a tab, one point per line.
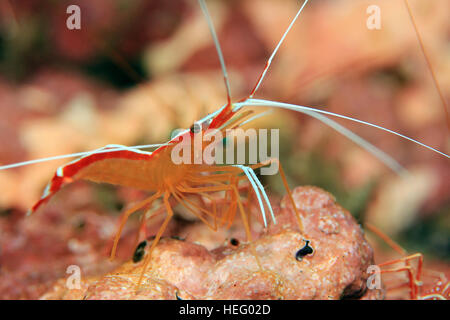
257	191
269	62
108	148
217	44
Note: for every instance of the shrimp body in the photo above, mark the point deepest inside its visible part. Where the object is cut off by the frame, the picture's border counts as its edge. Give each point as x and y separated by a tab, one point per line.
156	172
140	170
147	171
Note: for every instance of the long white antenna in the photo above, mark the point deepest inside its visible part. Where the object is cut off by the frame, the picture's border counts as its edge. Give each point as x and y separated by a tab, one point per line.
217	44
259	102
269	62
317	113
255	102
110	148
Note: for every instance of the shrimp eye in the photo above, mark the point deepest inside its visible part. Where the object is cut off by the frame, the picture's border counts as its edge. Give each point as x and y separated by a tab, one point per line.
234	242
177	296
196	128
307	249
80	225
139	252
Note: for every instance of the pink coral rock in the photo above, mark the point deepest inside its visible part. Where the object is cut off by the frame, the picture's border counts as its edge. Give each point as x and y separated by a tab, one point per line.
328	261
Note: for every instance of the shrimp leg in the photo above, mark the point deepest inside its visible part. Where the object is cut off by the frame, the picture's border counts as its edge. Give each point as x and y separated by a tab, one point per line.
414	280
244	217
157	237
125	217
225	188
190	206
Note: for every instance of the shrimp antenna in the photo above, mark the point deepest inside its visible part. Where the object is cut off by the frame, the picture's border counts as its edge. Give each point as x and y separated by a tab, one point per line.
259	102
218	49
317	113
394	245
269	62
108	148
430	67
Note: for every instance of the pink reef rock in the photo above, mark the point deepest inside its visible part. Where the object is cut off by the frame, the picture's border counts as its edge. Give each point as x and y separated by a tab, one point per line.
329	261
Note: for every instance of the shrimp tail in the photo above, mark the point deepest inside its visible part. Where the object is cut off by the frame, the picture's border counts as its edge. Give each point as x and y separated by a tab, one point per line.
52	187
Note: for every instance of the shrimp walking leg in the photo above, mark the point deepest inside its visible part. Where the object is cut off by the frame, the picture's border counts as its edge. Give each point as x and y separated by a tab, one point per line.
191	207
414	277
146	216
240	206
125	217
237	199
415	272
157	237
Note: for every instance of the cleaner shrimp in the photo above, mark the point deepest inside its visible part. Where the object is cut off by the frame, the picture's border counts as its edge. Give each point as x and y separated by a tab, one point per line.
156	172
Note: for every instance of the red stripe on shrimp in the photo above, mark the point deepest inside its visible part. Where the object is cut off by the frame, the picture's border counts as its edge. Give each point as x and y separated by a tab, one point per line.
68	173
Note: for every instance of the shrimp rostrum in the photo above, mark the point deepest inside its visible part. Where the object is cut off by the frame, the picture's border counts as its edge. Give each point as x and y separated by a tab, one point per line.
164	178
